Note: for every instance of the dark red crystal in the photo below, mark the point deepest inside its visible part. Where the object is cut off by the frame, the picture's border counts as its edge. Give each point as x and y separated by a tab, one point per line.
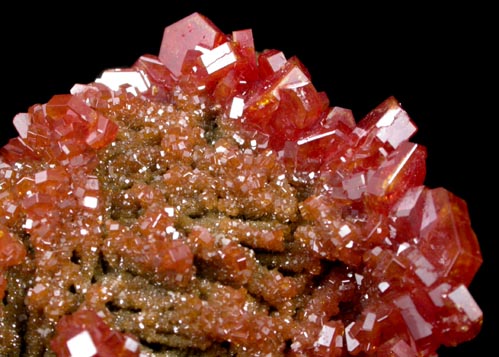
84	333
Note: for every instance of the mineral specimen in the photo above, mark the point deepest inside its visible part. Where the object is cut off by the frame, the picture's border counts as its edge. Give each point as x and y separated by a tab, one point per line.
209	201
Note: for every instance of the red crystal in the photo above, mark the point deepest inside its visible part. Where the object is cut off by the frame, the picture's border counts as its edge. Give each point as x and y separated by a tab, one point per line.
12	252
210	197
84	331
447	238
184	36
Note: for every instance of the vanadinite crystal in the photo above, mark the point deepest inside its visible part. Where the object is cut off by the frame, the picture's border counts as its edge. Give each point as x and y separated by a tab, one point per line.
209	201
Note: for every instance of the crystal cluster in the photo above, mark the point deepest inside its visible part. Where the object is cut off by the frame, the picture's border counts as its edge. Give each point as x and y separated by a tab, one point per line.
209	201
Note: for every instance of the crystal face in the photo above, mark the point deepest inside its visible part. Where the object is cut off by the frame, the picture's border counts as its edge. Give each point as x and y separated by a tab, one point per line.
210	200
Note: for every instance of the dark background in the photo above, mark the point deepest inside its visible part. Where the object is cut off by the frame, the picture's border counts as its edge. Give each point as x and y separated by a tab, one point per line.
436	61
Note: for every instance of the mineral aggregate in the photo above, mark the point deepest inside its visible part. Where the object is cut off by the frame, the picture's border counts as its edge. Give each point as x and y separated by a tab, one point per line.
209	201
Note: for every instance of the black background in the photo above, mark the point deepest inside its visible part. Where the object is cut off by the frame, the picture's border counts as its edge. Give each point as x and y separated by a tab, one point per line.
436	61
